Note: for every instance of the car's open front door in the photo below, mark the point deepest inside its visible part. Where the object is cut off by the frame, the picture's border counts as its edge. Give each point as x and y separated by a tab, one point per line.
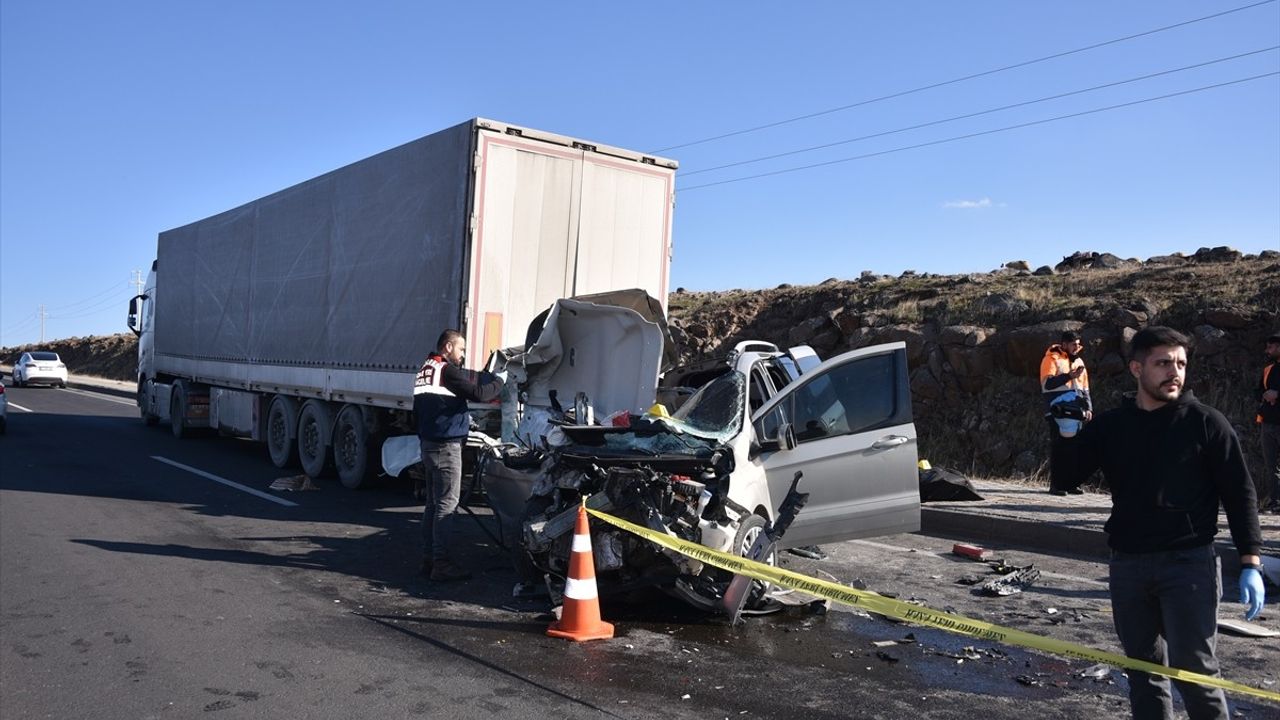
856	444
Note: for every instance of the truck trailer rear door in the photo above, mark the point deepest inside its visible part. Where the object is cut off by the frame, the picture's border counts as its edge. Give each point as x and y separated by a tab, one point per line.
554	218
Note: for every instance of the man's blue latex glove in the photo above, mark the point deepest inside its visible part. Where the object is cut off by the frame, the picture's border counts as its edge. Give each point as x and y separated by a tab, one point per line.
1252	592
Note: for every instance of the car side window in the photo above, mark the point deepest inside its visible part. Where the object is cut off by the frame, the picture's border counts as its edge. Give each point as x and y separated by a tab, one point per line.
858	396
767	426
779	375
758	391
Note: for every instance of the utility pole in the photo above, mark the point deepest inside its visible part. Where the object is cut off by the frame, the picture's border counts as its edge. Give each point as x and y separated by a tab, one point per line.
138	281
42	315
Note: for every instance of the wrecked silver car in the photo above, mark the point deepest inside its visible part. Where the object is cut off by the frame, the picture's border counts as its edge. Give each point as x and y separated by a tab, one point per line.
715	471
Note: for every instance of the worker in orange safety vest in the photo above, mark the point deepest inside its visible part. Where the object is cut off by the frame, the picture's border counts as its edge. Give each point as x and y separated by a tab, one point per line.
1064	384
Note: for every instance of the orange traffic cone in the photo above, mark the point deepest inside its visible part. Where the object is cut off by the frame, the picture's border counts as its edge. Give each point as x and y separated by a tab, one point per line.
580	616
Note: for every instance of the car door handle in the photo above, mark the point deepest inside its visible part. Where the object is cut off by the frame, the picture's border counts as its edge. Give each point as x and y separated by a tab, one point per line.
890	441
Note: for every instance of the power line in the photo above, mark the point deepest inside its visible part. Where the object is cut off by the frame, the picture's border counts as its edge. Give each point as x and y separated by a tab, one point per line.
960	79
984	132
94	309
976	114
22	324
91	298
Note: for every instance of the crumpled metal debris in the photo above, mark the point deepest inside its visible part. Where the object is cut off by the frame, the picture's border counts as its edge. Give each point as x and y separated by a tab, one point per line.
813	552
1011	583
1101	671
297	482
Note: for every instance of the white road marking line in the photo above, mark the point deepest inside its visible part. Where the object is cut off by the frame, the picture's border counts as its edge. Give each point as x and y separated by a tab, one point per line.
1043	573
100	396
23	409
225	481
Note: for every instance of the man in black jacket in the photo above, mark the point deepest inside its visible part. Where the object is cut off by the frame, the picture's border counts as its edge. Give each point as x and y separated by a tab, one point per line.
1170	461
440	394
1269	425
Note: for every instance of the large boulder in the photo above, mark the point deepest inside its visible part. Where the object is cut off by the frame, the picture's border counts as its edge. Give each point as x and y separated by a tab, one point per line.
1107	261
1219	254
970	361
1080	260
1227	318
1003	305
1209	340
913	336
1024	347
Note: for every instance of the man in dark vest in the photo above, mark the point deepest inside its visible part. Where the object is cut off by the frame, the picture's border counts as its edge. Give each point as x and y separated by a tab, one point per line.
440	395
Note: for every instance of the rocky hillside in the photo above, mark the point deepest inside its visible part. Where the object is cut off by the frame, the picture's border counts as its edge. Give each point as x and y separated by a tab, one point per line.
974	341
105	356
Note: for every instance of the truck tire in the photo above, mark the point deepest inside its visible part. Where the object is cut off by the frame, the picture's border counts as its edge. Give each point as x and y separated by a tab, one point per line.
281	431
315	424
351	447
143	398
178	411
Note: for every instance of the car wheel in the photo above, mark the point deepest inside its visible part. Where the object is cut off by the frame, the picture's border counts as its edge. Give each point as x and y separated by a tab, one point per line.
706	590
748	532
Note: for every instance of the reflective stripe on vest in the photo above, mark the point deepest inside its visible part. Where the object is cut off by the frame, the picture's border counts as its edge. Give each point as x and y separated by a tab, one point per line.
430	378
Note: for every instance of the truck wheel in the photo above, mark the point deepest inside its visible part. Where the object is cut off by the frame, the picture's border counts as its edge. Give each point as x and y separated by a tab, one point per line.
315	423
178	411
143	398
351	447
282	431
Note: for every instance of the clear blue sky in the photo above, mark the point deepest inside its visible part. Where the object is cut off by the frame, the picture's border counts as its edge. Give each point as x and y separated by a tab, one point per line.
120	120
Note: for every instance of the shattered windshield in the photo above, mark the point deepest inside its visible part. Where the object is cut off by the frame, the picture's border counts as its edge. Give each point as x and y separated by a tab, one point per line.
715	411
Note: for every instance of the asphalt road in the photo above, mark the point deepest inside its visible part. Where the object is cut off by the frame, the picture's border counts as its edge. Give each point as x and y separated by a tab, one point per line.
135	582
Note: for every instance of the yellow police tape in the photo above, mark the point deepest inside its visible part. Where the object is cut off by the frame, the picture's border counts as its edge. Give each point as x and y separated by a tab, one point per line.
914	613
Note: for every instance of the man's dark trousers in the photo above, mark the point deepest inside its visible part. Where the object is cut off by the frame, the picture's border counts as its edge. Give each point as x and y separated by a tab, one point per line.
442	461
1165	607
1060	455
1269	482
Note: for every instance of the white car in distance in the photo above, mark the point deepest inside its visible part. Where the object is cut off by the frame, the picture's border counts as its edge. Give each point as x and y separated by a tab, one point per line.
39	367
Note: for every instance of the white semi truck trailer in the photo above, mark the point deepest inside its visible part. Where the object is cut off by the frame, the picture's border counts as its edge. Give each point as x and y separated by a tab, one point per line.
300	319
